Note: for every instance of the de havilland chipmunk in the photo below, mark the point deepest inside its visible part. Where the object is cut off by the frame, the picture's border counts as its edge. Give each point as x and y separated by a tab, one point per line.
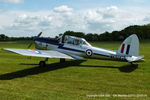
70	47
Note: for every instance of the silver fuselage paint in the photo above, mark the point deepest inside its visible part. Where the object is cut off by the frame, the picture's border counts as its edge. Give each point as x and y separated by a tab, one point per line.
81	50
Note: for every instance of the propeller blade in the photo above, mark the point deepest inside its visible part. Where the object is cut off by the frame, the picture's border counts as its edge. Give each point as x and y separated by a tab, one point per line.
33	39
39	34
30	45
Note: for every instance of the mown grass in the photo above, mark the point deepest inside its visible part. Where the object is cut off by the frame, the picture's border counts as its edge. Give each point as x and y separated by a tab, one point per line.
22	79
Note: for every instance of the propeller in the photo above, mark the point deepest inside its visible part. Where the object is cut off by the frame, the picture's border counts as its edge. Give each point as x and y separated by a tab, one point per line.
34	37
39	34
30	45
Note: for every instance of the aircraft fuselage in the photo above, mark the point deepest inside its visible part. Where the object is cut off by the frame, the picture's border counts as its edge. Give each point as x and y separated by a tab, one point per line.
80	50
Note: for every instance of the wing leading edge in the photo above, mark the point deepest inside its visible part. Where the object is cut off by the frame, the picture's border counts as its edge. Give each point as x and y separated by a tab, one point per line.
42	53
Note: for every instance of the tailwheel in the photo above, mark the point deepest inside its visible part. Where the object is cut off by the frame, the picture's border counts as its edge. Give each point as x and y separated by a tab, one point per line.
131	63
42	64
62	60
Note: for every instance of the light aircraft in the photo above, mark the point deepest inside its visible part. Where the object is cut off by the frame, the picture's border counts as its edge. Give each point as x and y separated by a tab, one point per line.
70	47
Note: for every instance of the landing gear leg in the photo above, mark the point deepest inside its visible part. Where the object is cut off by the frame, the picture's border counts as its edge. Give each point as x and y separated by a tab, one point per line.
43	63
62	60
46	59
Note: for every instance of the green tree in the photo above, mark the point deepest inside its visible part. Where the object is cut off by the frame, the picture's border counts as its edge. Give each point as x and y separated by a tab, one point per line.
3	37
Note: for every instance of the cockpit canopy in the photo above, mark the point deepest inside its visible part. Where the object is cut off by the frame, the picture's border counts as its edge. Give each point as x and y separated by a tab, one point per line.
74	40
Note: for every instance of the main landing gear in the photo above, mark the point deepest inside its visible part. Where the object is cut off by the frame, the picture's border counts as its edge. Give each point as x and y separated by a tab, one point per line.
43	63
62	60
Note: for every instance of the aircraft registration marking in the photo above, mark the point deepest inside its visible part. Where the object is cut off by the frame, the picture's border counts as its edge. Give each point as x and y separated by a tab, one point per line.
118	57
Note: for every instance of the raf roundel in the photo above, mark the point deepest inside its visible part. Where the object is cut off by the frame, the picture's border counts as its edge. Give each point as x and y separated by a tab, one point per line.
89	52
35	51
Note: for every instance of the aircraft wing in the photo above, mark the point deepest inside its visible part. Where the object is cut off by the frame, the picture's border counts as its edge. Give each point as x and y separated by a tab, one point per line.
43	53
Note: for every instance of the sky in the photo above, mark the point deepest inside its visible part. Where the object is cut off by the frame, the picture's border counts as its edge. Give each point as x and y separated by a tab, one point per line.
29	17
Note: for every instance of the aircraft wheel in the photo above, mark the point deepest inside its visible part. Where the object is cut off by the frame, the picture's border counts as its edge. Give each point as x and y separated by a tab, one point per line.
62	60
42	64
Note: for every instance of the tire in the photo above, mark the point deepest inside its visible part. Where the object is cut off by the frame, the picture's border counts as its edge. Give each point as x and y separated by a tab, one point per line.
42	64
62	60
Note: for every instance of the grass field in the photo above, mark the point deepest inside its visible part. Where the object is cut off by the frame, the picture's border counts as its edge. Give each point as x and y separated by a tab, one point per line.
22	79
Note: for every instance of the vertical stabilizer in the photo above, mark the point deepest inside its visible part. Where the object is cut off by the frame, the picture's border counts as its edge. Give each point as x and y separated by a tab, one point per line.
130	46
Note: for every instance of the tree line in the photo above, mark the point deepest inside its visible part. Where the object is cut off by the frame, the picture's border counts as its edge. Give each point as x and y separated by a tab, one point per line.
3	37
143	32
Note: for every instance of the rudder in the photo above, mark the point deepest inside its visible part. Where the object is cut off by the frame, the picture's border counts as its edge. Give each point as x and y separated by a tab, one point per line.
130	46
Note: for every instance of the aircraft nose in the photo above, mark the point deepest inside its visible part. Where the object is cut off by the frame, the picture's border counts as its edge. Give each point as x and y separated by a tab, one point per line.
35	39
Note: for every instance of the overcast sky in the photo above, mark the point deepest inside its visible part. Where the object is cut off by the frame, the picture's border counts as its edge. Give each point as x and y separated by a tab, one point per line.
29	17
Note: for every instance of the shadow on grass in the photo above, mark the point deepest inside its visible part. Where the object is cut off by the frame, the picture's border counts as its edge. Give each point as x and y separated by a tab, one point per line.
126	68
38	70
55	66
